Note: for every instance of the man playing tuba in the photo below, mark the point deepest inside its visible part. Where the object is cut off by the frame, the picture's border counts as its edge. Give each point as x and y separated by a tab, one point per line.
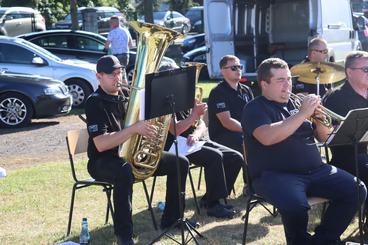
105	109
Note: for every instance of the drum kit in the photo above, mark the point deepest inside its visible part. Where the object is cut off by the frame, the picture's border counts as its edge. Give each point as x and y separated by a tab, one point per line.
318	73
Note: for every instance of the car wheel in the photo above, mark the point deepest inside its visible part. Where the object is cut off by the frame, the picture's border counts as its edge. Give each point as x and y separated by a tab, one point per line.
185	29
79	91
15	110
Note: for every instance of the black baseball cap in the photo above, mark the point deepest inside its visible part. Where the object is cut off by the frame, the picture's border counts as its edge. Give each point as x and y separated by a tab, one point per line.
107	64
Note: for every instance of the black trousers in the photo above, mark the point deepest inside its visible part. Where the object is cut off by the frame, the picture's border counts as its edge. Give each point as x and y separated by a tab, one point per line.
116	171
288	193
221	168
234	141
124	60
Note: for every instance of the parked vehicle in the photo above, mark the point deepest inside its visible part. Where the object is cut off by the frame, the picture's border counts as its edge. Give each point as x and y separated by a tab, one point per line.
19	55
81	45
23	97
192	42
195	15
197	55
171	19
103	18
256	30
18	20
360	23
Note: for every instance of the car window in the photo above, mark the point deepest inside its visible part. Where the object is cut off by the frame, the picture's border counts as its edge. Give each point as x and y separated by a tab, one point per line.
25	14
40	50
14	15
52	42
88	44
176	15
14	54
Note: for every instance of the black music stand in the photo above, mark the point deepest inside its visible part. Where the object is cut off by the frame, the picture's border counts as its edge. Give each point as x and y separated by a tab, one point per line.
353	131
166	93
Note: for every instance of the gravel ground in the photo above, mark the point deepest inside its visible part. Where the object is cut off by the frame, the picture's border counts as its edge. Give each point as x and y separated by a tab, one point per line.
42	141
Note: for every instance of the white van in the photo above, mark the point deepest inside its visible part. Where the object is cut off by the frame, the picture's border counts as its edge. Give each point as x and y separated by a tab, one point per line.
256	30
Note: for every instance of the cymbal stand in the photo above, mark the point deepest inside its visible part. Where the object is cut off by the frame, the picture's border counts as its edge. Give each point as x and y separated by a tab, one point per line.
318	71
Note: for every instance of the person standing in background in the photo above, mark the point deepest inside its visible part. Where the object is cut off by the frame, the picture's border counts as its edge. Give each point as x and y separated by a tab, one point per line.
120	41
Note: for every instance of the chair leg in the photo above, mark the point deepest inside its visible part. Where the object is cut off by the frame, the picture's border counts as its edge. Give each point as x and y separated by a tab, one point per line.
246	219
108	189
149	201
71	210
152	189
193	190
200	178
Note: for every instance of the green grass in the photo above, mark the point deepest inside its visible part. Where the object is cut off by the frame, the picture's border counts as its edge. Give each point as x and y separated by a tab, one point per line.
34	206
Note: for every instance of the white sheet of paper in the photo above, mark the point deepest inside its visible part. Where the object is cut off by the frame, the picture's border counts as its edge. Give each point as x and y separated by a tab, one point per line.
184	148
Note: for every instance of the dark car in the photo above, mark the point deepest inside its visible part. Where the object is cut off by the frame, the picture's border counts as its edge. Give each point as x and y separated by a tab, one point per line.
81	45
197	55
103	18
360	23
23	97
195	15
193	42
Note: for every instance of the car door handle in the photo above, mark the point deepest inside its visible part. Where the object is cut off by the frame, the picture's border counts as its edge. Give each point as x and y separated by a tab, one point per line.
334	26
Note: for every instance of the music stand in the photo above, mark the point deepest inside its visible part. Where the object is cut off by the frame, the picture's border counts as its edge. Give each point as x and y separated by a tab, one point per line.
353	131
166	93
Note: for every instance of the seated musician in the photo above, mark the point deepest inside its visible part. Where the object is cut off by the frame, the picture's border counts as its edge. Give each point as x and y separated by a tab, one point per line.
285	165
221	164
317	52
353	94
105	110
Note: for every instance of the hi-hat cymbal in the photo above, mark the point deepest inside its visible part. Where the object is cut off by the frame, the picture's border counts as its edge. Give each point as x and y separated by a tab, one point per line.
328	72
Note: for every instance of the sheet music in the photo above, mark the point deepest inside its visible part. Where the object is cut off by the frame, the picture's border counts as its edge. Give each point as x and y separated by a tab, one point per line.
184	148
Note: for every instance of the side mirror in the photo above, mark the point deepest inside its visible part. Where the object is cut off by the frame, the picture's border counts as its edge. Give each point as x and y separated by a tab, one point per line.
38	61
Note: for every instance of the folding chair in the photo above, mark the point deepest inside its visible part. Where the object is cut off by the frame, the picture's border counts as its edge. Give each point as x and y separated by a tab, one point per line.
253	199
77	142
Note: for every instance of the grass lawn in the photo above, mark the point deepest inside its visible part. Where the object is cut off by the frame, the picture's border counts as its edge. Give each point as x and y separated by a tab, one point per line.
34	206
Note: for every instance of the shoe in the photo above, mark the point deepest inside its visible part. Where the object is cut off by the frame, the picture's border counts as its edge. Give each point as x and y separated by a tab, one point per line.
204	204
218	211
120	241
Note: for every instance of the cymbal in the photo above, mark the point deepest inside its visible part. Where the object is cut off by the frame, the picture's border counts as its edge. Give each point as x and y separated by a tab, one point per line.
328	72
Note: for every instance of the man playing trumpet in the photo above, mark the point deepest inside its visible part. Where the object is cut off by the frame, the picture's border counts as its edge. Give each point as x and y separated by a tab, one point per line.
285	164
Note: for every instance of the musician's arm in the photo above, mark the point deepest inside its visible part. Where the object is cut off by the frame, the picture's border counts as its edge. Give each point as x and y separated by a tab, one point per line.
274	133
228	122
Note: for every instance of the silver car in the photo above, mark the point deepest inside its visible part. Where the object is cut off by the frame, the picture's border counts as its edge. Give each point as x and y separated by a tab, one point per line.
19	55
19	20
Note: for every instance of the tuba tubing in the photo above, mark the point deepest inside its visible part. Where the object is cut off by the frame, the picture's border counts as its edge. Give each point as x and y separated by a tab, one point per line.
142	153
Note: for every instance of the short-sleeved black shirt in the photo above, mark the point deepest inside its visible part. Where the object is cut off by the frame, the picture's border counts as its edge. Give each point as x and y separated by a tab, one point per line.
341	101
104	115
296	154
224	98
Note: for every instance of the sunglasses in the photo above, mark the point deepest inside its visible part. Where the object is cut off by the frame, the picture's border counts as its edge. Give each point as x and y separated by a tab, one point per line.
363	69
234	67
323	51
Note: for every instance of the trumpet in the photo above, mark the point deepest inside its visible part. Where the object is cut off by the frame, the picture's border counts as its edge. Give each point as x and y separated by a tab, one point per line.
329	115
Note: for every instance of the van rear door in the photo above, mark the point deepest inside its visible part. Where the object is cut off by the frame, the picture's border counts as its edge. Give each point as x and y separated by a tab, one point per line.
218	33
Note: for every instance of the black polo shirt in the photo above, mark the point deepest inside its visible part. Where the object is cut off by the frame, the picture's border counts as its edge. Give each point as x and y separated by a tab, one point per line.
170	138
224	98
341	101
104	115
296	154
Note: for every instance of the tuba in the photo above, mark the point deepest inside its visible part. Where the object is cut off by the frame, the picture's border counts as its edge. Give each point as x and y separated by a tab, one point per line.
142	153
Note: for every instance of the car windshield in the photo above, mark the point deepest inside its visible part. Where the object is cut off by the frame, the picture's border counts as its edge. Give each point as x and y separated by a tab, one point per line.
40	50
158	15
2	12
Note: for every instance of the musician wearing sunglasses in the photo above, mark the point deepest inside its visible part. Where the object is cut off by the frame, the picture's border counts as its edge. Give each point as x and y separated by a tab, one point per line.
353	94
285	165
225	104
317	52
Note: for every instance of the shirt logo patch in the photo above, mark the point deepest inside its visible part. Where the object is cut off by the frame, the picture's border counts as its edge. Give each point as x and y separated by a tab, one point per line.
294	111
93	128
220	105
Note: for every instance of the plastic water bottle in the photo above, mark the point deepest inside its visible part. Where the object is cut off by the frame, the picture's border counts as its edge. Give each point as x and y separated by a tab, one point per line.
161	206
84	235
